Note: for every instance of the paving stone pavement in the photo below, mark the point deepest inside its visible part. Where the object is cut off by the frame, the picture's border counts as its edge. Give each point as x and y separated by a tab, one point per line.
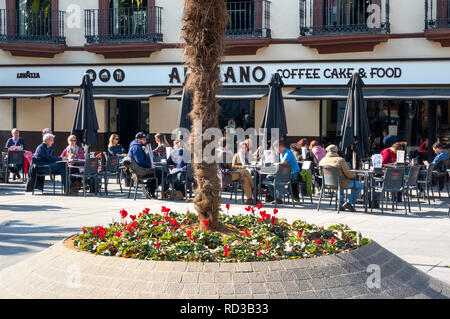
60	272
30	224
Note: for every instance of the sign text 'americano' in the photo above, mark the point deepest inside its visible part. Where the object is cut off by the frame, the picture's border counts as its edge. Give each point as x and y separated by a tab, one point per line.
408	72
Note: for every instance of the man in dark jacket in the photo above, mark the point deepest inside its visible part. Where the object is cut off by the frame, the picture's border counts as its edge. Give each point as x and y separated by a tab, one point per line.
12	142
137	153
42	157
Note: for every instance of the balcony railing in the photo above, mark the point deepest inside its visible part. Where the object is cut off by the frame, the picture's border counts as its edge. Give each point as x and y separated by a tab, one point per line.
123	25
437	14
36	26
248	19
324	17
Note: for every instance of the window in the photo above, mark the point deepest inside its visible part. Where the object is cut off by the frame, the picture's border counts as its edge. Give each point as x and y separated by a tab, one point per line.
128	17
242	16
345	12
34	18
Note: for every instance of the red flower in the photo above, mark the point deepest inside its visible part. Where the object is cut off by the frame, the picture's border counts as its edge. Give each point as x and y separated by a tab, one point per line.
248	208
157	244
332	240
83	229
173	221
206	223
166	216
259	254
226	250
267	216
318	241
245	232
140	215
131	233
189	233
124	213
299	233
194	239
155	223
165	209
118	234
275	211
263	213
147	209
259	205
261	220
253	210
95	232
227	205
133	217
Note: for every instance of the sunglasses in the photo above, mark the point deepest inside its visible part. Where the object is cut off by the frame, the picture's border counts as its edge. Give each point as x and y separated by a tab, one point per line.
73	140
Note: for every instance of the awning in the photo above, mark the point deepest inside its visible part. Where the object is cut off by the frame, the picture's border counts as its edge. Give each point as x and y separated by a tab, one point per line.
301	94
232	94
30	93
132	94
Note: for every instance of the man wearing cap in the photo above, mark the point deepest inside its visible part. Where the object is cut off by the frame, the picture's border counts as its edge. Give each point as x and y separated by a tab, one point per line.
347	177
137	153
43	157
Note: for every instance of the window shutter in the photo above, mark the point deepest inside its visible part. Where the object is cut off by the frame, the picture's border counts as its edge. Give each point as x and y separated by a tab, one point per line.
318	14
442	12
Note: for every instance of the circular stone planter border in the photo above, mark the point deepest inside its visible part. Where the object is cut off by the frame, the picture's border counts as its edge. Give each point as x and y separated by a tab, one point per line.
61	272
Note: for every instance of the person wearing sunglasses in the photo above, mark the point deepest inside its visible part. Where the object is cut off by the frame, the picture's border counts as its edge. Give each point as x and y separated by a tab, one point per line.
114	148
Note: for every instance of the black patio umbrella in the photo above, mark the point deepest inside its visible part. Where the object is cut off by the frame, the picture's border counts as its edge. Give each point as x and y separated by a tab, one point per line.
85	126
186	107
274	114
355	124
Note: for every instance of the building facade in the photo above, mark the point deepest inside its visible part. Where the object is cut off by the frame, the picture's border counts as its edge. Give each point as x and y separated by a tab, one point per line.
132	50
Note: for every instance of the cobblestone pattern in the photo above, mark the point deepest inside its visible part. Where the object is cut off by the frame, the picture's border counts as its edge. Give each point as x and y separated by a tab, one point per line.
59	272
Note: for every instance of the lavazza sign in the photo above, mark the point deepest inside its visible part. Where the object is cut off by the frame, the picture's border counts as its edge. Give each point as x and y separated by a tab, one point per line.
329	73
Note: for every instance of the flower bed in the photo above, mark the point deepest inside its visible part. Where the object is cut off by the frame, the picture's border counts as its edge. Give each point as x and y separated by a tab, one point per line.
252	236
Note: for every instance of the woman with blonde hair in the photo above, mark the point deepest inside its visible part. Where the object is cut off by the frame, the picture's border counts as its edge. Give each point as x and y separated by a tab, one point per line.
73	152
114	148
240	160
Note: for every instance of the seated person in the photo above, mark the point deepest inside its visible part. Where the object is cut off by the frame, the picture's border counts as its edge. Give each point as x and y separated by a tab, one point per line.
43	157
49	131
240	160
114	148
388	140
286	156
441	155
423	150
390	154
160	150
15	142
73	152
142	159
347	177
316	152
178	173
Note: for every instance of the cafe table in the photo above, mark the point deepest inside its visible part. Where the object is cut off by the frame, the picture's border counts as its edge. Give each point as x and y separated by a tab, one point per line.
77	163
367	175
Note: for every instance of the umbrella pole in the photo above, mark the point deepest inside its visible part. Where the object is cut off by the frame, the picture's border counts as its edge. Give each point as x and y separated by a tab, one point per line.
354	160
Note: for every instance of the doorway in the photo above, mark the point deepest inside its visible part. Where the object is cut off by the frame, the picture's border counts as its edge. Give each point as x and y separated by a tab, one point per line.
132	117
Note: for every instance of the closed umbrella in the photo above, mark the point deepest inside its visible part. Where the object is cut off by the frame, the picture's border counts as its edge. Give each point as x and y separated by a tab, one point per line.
186	107
274	114
355	125
85	126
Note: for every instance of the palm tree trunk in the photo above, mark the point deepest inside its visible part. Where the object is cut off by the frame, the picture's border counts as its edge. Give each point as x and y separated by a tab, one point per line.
204	23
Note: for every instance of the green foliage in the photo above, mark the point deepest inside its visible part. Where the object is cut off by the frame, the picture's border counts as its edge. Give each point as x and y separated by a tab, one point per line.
172	236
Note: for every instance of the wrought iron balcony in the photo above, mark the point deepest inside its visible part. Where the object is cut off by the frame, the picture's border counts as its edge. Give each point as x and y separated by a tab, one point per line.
127	25
437	14
248	19
32	26
328	17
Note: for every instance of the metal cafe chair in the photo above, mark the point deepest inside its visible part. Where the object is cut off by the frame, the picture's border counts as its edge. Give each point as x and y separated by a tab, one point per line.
331	181
13	158
111	169
411	184
141	181
282	179
439	173
42	171
235	185
90	172
188	181
427	181
394	183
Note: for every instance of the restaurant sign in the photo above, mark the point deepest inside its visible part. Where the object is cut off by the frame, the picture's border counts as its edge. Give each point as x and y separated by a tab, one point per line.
404	72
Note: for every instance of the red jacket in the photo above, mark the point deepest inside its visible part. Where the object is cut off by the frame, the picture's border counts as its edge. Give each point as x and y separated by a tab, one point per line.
388	156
